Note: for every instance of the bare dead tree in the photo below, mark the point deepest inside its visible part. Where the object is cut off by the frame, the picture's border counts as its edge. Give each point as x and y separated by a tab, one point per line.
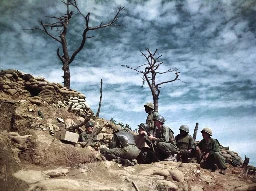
150	71
98	112
59	28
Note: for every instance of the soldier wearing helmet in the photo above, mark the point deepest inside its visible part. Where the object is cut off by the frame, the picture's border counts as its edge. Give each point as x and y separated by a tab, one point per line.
83	137
123	149
185	143
209	151
87	137
164	139
149	109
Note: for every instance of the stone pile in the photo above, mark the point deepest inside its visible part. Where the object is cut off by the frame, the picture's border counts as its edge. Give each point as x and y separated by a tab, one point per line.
231	157
17	84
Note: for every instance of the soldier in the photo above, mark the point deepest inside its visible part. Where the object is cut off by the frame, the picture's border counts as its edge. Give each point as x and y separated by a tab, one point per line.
185	143
87	137
149	109
83	137
146	146
123	149
209	151
164	139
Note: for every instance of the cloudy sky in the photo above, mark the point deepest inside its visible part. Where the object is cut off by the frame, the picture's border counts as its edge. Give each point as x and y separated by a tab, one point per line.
211	43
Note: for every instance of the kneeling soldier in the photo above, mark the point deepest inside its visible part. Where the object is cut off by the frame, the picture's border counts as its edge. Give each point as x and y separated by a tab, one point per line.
164	139
124	148
185	143
209	151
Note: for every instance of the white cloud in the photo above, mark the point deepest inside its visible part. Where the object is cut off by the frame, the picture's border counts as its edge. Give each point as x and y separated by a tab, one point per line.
179	93
228	37
193	6
91	75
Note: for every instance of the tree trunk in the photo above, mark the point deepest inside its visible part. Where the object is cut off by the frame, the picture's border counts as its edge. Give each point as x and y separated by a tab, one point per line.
66	75
155	103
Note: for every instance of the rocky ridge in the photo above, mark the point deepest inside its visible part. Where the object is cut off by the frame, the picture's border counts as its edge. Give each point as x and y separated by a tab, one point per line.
32	158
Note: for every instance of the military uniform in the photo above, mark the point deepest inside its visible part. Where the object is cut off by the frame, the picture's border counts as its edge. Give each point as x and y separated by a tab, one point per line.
84	137
165	141
123	147
150	121
211	146
186	146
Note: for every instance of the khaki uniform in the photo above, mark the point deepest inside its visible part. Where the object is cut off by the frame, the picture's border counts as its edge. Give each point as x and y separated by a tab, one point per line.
84	137
165	142
165	134
185	142
119	149
211	146
186	146
128	152
150	121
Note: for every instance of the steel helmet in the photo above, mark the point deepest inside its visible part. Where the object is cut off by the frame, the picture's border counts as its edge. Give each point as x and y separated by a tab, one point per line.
89	124
144	126
150	105
207	130
184	128
159	118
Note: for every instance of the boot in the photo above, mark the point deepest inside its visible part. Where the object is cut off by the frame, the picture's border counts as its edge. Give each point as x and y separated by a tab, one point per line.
223	171
214	167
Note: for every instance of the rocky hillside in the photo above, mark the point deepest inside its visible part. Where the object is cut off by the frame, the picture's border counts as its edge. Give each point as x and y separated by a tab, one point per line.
35	112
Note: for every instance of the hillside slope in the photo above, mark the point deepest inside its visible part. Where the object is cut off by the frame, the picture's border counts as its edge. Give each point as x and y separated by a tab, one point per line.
34	111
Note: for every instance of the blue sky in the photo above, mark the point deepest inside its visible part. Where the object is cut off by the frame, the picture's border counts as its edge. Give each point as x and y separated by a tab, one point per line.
211	43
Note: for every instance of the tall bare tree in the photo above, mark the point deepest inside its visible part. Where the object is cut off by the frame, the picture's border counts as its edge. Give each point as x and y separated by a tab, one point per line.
150	71
59	28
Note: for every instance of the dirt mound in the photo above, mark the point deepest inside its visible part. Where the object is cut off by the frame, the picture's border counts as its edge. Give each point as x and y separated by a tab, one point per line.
9	164
29	119
33	111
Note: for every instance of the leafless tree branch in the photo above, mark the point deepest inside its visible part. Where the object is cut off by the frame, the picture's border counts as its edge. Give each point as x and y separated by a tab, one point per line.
151	71
61	24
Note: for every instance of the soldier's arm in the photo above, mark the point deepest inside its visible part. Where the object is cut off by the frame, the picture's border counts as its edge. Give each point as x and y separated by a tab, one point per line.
156	139
192	144
171	137
215	146
160	139
199	148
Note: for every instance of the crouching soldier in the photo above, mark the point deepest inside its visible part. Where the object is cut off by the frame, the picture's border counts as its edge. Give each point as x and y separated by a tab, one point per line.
84	135
164	139
209	151
185	143
87	137
123	149
146	146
